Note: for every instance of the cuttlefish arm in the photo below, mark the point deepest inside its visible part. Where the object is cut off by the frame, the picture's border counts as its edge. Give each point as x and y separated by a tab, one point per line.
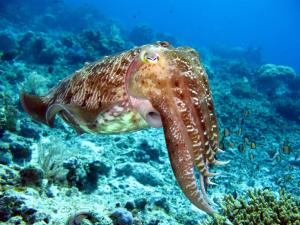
176	85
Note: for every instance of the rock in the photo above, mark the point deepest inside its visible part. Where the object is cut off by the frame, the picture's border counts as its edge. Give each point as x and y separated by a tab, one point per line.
84	174
9	206
162	203
121	217
243	90
153	222
38	48
19	147
9	55
32	176
124	169
13	205
147	175
21	151
274	79
75	56
143	173
77	173
85	218
145	152
99	167
7	42
27	130
5	158
16	220
129	205
8	177
73	191
271	72
140	203
34	216
5	154
49	55
288	108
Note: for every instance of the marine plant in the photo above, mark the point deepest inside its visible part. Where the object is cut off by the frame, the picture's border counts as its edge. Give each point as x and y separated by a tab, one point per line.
260	207
50	160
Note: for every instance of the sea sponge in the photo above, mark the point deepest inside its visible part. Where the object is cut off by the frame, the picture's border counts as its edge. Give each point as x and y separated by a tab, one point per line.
260	207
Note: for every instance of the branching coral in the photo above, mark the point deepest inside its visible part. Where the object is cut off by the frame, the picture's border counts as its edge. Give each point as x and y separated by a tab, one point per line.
260	207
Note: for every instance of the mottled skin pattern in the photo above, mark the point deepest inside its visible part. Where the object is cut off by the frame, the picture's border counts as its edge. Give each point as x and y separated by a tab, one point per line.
152	85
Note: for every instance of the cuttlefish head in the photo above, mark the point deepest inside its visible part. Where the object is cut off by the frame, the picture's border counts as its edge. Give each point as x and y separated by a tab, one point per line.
169	87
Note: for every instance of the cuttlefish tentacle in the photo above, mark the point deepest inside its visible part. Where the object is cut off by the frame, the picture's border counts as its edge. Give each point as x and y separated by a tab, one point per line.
200	131
179	147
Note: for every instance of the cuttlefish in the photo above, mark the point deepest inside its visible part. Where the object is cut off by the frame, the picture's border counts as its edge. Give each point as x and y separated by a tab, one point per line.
154	85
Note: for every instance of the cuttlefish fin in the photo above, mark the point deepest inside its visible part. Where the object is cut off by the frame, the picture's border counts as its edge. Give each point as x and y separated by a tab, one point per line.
34	106
74	115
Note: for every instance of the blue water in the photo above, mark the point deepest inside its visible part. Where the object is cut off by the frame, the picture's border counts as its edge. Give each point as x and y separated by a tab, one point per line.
273	25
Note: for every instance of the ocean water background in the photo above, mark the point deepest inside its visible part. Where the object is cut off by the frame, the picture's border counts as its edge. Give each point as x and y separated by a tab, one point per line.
270	25
251	52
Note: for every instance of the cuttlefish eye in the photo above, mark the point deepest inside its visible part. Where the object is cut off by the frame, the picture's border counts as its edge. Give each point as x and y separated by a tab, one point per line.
151	57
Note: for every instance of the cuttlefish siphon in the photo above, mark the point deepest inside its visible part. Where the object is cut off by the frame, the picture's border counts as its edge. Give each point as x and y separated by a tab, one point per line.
154	85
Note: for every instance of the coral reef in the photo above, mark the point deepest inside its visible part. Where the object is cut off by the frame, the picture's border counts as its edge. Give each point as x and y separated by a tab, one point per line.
260	207
274	79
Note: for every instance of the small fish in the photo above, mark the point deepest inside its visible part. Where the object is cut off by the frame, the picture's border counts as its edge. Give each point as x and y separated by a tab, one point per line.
239	132
242	122
235	194
286	148
222	144
226	132
246	112
246	140
241	148
278	158
251	156
252	145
